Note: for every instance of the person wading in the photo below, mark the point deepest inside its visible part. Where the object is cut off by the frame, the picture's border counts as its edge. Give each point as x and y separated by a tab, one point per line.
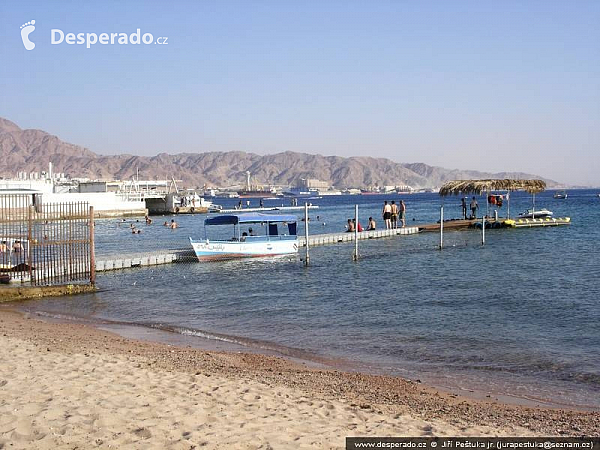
403	213
394	218
387	215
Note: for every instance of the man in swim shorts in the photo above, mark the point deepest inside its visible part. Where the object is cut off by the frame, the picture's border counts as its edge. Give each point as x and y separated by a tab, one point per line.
402	213
387	215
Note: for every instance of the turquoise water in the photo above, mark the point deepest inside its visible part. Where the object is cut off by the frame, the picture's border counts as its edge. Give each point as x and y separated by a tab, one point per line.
519	316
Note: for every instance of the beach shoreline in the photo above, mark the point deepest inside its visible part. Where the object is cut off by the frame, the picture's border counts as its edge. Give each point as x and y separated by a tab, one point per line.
211	341
69	384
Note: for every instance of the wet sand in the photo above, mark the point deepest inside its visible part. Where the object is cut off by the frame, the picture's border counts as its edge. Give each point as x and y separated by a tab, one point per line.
75	386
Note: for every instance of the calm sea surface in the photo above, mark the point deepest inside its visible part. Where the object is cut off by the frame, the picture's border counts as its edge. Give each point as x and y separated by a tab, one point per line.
517	317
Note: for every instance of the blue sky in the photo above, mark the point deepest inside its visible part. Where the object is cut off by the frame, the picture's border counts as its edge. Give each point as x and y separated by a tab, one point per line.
480	85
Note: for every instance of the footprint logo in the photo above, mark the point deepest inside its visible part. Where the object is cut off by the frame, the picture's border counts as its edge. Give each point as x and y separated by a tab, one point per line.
26	30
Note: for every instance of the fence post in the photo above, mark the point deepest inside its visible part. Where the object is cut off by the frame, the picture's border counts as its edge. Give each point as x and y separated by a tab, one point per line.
30	212
355	255
441	227
307	257
483	230
92	249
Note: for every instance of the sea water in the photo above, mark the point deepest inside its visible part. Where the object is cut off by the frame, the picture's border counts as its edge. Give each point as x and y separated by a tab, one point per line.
517	317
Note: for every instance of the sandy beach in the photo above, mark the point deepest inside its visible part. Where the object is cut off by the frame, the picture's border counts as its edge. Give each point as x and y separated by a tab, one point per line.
74	386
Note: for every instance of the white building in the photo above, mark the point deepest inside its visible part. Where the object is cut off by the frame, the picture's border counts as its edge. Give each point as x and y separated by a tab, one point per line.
106	204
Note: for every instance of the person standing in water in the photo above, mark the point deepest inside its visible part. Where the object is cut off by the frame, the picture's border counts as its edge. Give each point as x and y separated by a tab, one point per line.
403	213
387	215
350	226
394	218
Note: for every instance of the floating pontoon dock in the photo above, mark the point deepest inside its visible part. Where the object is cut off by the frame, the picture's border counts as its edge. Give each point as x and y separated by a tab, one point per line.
105	263
545	222
265	209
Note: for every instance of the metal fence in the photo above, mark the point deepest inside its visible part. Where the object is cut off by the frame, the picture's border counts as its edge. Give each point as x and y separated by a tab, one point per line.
45	244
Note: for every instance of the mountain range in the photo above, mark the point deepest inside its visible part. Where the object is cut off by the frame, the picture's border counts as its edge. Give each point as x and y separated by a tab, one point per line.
31	151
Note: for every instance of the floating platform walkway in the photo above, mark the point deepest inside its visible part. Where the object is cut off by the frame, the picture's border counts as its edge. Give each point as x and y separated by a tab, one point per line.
530	223
265	209
334	238
159	257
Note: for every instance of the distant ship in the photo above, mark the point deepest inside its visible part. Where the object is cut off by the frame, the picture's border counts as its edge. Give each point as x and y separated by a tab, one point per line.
300	192
249	192
255	193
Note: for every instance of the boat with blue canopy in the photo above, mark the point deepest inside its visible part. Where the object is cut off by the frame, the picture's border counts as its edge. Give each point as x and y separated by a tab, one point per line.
253	235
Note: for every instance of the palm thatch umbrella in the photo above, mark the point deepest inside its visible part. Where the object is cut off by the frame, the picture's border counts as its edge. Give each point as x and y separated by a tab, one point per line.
484	186
480	186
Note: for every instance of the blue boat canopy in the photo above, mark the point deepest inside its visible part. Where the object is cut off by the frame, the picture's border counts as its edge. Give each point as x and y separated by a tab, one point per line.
234	219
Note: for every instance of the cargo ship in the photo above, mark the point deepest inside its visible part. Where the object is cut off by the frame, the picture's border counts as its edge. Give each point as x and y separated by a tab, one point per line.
253	191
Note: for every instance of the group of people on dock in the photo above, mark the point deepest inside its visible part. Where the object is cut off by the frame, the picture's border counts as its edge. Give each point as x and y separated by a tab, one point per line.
353	226
392	213
474	206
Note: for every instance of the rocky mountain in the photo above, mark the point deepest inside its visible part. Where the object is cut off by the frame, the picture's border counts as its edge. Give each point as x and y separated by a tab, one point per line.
32	150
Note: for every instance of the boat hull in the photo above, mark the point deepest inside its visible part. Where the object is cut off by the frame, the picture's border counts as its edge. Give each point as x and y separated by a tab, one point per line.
255	194
537	214
219	250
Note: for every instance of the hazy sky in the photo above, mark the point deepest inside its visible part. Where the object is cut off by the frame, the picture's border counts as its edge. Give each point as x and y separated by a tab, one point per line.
495	86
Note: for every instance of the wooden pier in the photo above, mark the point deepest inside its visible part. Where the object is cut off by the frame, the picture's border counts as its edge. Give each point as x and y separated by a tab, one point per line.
159	257
461	224
453	224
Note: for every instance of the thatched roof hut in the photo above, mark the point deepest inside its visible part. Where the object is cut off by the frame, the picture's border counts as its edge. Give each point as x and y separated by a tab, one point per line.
480	186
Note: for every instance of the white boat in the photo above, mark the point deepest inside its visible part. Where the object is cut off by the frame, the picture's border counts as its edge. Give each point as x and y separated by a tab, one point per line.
536	214
560	194
299	192
276	236
194	201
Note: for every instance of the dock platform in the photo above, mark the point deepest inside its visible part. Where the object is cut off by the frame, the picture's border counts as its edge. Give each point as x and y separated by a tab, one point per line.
545	222
159	257
461	224
335	238
451	224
